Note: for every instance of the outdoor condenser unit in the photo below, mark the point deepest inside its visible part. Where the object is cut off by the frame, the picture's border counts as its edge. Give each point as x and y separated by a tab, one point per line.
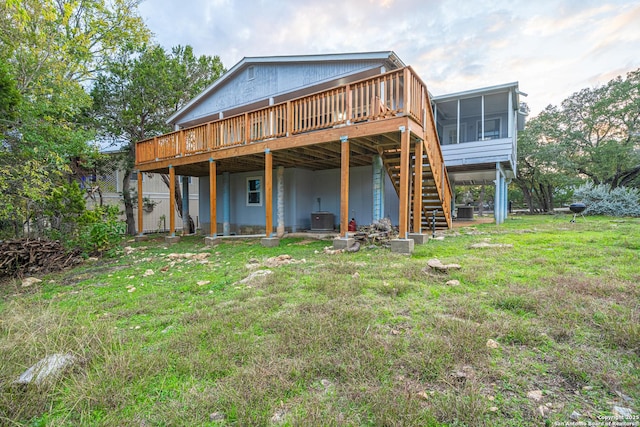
322	221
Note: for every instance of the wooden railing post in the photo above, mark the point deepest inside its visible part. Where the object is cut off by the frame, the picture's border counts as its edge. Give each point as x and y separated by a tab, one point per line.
155	147
208	137
407	91
247	129
349	106
182	149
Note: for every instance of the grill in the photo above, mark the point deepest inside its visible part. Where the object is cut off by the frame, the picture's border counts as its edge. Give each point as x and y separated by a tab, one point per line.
577	208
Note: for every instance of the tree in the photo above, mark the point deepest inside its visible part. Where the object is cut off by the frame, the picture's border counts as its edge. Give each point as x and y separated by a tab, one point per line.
50	49
137	92
593	135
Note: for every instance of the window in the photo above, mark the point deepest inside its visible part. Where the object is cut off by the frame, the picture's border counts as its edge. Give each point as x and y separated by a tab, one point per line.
251	73
491	129
254	191
450	134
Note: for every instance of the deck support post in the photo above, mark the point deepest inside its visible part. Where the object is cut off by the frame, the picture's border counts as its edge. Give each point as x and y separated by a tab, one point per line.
403	244
186	229
344	241
172	238
378	188
280	184
212	238
226	200
417	188
403	215
213	203
269	240
417	235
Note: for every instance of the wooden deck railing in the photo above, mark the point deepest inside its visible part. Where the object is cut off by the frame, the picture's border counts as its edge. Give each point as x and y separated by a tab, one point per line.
369	99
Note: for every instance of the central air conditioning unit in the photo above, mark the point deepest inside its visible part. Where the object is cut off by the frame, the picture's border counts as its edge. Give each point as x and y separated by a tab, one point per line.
322	221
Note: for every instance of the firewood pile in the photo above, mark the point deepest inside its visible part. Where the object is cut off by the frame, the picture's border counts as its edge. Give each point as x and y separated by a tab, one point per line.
27	256
379	233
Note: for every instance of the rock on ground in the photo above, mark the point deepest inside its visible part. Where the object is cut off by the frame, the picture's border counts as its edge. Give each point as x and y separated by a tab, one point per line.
47	368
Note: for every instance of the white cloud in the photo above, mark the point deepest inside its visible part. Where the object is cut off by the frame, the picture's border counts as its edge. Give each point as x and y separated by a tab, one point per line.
552	47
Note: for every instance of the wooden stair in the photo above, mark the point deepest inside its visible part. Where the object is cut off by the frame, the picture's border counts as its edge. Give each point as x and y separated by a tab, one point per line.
431	200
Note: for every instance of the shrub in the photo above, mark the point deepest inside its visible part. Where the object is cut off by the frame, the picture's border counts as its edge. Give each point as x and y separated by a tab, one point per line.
101	230
602	200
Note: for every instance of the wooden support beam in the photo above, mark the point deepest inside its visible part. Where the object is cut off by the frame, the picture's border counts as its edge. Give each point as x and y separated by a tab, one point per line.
403	214
344	188
213	214
417	188
140	210
172	201
268	191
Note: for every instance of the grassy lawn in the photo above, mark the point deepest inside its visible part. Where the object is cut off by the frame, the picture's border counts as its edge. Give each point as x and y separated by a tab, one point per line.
367	338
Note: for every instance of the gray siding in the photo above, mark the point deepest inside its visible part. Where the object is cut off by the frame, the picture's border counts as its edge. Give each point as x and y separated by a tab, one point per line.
271	80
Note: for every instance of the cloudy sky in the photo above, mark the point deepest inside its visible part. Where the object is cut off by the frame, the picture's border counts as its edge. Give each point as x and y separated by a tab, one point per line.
553	48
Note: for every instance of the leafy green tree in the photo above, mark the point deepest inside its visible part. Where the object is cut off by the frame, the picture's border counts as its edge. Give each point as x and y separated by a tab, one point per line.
138	91
593	135
49	50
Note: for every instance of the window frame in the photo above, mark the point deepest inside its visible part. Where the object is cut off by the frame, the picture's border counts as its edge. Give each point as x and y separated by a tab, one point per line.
250	192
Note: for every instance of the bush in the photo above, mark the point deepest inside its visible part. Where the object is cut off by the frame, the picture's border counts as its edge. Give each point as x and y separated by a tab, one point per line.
602	200
101	231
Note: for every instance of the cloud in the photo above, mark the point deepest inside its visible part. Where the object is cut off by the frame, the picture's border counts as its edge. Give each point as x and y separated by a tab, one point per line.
552	47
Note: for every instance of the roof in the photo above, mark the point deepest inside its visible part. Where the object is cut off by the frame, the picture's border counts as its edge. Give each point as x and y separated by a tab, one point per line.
483	91
388	56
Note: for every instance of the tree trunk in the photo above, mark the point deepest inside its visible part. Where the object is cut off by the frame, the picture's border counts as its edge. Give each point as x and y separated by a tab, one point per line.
128	203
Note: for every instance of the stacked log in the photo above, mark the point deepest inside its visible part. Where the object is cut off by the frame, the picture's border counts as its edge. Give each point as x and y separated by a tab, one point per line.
379	233
27	256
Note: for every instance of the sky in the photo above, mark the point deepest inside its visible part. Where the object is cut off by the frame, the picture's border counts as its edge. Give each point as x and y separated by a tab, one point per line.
553	48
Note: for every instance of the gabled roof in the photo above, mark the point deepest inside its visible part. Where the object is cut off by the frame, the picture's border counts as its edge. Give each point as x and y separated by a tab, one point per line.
386	56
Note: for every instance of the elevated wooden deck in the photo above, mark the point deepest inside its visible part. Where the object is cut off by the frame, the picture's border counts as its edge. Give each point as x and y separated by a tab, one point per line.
388	115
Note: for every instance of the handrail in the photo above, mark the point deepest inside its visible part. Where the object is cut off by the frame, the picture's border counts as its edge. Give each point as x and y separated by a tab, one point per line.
372	98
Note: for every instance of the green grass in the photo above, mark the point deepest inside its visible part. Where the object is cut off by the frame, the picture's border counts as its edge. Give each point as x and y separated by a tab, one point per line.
370	338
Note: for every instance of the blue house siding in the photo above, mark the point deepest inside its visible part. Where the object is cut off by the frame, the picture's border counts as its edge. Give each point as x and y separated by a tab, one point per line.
271	80
302	189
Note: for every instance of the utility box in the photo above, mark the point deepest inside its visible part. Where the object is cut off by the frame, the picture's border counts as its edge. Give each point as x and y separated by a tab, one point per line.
465	212
322	221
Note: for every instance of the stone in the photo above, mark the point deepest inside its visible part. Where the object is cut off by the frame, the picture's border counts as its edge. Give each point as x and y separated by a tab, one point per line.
257	276
423	395
270	242
575	416
453	283
203	282
493	409
622	412
402	246
216	416
355	275
170	240
492	343
419	238
535	395
29	281
278	416
46	369
543	411
141	238
148	273
436	264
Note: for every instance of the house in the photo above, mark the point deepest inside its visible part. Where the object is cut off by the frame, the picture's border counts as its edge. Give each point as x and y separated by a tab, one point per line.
105	188
316	140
